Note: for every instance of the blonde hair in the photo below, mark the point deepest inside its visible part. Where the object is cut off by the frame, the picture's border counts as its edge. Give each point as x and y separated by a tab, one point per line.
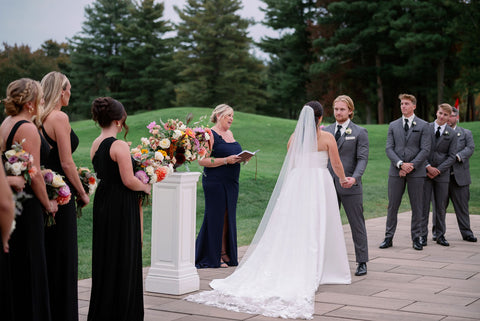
347	100
20	92
219	111
408	97
446	107
52	83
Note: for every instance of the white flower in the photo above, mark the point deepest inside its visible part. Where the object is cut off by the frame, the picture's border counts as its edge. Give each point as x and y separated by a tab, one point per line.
458	134
446	133
10	153
135	150
177	134
207	136
188	155
159	156
182	127
57	181
145	141
15	168
414	123
149	170
165	143
348	131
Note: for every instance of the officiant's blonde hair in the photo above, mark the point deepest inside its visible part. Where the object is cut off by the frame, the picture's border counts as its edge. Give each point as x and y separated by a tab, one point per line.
219	111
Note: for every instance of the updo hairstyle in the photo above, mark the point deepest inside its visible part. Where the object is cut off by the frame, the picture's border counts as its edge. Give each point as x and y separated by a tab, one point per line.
317	109
105	110
20	92
219	111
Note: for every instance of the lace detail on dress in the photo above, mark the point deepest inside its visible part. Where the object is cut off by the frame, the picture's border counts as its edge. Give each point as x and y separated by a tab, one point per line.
301	308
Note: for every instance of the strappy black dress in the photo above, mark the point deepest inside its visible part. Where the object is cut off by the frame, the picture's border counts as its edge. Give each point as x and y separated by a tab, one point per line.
117	282
62	246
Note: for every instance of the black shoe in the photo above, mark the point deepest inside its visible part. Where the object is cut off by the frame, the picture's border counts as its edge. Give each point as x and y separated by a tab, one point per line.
442	241
470	238
387	242
423	240
417	244
434	238
361	269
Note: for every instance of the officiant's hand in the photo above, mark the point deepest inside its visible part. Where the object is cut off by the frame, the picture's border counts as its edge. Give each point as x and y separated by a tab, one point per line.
232	159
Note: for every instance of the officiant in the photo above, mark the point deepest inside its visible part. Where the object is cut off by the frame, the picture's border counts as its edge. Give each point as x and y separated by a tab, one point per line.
216	244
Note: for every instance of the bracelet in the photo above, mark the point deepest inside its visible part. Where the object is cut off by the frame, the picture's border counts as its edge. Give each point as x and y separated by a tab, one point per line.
225	161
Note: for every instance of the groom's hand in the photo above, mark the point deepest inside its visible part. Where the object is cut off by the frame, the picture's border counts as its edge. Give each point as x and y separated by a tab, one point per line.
349	183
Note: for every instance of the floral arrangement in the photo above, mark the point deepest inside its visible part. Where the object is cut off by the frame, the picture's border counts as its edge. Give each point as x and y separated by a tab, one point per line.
57	190
150	167
177	143
89	183
348	131
19	162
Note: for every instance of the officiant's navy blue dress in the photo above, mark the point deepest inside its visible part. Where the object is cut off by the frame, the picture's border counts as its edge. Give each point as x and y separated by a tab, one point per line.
220	186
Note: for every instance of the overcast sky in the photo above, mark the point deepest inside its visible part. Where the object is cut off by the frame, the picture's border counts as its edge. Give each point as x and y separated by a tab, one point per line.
32	22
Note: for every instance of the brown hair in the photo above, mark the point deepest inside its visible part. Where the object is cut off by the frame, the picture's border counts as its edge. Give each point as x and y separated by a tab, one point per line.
20	92
106	109
446	107
409	97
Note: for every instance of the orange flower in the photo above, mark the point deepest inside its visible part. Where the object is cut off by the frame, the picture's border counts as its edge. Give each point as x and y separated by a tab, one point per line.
62	200
32	171
91	180
161	173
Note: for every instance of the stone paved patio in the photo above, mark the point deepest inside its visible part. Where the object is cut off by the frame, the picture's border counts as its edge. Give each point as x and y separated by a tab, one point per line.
438	283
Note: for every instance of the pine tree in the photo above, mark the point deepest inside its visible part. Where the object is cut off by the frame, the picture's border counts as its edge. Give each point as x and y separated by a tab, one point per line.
213	56
148	77
290	54
97	65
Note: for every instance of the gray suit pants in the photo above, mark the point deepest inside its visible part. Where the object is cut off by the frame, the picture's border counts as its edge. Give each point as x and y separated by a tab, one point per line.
353	205
438	193
396	189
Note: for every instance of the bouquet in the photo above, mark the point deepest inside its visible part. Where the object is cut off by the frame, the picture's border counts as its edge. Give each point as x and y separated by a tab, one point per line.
89	183
57	190
19	162
178	143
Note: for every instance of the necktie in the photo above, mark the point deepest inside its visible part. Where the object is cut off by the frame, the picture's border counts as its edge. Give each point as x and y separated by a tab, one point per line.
406	125
339	132
437	133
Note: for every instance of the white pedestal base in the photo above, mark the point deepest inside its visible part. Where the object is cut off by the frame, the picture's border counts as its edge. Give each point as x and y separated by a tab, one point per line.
174	203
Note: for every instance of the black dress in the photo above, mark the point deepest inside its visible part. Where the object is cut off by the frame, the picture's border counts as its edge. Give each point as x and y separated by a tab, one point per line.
220	186
117	281
61	246
26	286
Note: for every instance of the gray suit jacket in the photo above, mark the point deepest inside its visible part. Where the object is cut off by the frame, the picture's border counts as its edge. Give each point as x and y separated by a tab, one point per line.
413	147
465	148
353	149
442	154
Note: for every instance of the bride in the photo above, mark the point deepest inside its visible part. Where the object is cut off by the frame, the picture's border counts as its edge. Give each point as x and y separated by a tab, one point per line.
299	243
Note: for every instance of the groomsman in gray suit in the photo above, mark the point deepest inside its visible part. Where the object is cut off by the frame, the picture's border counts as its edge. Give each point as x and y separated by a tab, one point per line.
439	161
352	142
459	186
408	146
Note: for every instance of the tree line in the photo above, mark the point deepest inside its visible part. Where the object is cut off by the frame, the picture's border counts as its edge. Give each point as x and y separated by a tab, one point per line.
371	50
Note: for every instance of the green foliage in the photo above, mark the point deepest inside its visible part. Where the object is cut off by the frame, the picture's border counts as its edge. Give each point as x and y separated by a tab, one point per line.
213	59
291	55
258	177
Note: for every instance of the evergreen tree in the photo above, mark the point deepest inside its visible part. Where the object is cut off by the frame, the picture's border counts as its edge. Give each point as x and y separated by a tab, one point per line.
291	55
213	56
97	65
148	77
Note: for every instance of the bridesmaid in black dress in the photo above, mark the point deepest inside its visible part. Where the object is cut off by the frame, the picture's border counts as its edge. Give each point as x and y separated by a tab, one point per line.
61	238
25	262
216	244
117	281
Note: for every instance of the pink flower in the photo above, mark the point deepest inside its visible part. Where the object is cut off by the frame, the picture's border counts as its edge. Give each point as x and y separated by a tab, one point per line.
151	125
142	176
64	191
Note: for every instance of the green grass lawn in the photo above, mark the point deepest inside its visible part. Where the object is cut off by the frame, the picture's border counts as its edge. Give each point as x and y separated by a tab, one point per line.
270	135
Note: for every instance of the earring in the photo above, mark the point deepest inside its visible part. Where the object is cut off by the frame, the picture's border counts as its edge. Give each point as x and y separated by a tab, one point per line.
118	125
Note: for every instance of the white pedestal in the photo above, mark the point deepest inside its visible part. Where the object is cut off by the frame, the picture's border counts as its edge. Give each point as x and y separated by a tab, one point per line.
174	203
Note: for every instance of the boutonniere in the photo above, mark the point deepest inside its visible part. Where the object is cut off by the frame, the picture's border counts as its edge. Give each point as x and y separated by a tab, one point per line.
458	134
414	123
348	131
446	133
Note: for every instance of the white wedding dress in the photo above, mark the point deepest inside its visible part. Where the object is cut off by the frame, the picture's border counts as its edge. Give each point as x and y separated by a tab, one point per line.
298	246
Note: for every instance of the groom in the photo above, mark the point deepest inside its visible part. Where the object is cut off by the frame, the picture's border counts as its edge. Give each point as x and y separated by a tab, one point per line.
352	142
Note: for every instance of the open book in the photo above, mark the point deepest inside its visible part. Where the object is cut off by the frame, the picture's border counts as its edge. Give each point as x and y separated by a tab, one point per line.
246	154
